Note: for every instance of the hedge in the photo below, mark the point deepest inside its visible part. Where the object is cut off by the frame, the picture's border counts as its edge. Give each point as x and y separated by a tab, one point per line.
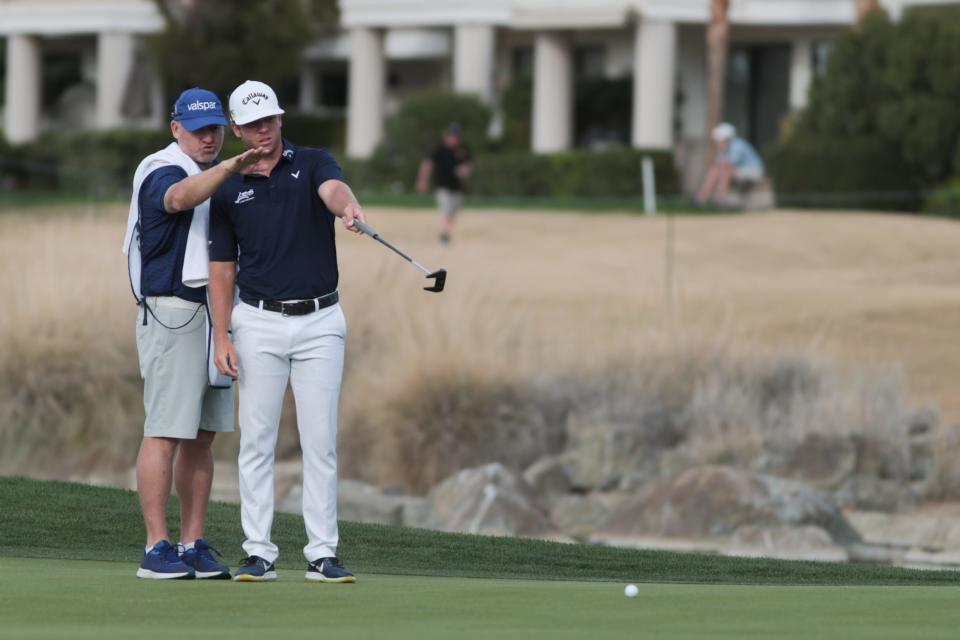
580	173
882	122
862	172
944	201
102	163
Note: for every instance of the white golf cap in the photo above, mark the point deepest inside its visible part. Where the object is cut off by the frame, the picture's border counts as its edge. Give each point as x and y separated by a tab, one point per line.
253	100
721	132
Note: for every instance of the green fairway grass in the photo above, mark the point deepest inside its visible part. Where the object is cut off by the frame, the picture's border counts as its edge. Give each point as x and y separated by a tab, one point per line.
64	520
48	598
69	552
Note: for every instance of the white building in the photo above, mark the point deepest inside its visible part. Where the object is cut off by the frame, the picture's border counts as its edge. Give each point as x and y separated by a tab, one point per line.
390	47
99	46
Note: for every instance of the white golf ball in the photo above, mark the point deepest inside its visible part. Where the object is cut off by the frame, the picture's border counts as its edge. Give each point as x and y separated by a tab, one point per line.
631	591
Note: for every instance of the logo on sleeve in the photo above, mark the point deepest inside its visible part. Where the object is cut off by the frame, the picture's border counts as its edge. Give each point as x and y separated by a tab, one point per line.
244	196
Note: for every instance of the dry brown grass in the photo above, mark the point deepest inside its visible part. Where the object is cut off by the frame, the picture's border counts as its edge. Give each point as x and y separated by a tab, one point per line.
536	308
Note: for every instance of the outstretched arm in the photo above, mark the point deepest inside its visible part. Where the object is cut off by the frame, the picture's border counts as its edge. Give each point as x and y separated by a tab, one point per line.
341	202
189	192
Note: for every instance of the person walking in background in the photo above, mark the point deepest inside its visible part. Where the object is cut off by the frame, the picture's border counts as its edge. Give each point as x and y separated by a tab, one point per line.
449	164
166	245
278	222
736	162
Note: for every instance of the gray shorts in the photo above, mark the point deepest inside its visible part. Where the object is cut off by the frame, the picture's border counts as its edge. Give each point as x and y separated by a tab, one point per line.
449	201
177	397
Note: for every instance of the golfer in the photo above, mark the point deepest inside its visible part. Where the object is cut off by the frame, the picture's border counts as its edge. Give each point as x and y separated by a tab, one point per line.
167	256
278	221
449	164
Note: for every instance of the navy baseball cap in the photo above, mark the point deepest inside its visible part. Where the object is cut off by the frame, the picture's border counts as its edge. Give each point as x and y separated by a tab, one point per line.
198	108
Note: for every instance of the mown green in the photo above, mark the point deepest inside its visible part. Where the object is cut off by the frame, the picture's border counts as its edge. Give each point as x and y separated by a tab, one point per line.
102	600
48	519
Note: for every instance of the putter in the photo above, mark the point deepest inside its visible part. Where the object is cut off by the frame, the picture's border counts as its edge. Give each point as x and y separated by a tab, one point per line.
439	276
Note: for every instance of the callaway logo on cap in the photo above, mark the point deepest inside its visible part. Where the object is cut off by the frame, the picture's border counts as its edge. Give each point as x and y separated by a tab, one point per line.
198	108
251	101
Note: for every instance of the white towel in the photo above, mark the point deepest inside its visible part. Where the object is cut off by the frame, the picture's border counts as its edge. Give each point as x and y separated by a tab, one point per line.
196	261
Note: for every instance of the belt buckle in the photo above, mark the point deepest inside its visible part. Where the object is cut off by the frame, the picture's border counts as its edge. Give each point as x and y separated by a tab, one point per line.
283	310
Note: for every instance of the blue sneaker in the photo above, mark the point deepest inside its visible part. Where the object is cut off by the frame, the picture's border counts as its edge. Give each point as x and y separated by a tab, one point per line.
255	569
328	570
162	562
202	562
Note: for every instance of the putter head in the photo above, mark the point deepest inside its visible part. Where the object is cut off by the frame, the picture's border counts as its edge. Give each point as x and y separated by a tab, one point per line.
439	279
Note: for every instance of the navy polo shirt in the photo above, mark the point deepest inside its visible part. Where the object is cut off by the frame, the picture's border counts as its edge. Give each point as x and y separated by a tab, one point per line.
163	238
280	227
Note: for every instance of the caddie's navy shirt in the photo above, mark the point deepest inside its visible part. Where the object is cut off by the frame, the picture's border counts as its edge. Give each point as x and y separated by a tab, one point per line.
282	229
163	238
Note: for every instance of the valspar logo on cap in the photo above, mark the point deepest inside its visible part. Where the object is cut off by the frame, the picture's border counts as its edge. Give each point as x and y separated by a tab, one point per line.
197	108
202	106
253	101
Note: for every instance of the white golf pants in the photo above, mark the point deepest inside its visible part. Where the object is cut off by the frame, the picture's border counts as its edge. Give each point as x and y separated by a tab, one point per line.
308	351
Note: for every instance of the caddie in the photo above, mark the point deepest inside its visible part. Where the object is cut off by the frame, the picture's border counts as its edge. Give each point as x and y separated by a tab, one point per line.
278	221
166	246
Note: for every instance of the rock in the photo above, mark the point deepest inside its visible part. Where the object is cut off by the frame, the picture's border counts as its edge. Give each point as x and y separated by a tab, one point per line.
361	502
226	481
882	458
292	502
579	516
287	475
116	479
785	543
820	459
716	501
923	559
487	500
934	528
922	434
869	493
602	453
549	476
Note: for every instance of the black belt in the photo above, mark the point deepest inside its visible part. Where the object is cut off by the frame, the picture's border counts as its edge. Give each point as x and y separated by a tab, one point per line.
301	308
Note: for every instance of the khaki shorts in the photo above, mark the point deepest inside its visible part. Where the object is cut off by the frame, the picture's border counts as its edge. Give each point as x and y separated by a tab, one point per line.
449	201
177	397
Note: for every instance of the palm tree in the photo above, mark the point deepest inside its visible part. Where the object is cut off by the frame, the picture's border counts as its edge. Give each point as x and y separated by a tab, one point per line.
718	32
866	6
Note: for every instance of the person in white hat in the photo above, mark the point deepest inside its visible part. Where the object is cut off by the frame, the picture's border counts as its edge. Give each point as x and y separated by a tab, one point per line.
272	234
736	162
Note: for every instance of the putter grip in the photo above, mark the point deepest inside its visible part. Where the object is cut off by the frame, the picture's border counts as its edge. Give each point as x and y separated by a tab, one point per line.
367	229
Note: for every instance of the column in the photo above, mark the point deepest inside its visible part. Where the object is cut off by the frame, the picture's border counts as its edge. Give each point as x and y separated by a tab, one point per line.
366	92
473	58
22	110
801	73
115	54
654	73
552	127
308	87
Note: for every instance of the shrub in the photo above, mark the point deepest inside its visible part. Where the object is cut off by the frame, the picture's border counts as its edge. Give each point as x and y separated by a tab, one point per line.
580	173
103	162
945	201
884	110
418	126
313	131
862	172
